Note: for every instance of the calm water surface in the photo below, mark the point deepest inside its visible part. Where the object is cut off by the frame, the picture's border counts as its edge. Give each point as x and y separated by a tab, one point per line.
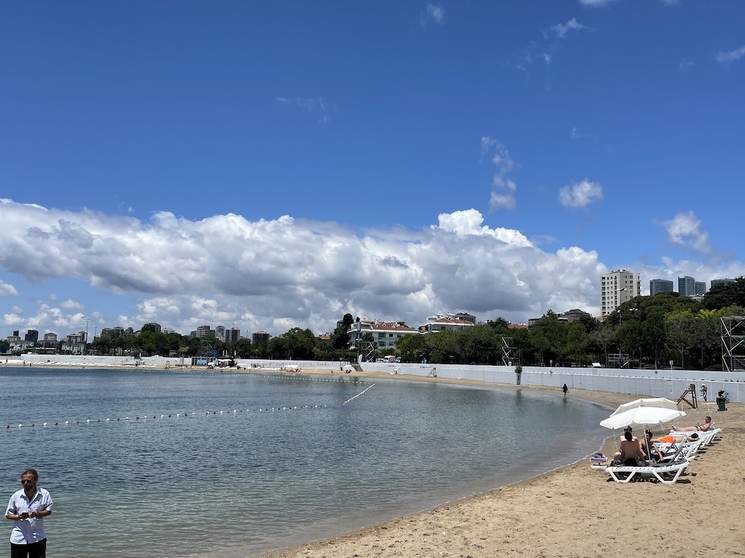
293	464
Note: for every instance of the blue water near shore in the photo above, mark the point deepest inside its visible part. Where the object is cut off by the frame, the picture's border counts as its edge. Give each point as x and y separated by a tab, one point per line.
293	464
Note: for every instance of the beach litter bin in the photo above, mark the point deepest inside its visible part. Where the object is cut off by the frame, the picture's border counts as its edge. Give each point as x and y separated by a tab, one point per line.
720	403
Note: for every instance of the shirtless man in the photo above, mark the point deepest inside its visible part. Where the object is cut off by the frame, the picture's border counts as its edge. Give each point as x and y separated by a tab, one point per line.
630	452
699	427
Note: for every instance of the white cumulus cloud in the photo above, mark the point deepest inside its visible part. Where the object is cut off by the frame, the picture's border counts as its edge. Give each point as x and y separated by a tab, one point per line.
684	229
284	272
7	289
580	194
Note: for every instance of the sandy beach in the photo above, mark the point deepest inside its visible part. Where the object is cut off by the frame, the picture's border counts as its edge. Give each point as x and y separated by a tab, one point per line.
575	511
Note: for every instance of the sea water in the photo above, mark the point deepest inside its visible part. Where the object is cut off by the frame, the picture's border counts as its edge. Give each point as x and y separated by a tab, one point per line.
158	463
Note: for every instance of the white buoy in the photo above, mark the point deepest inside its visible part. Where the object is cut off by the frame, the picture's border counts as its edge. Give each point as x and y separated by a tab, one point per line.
88	420
67	422
107	420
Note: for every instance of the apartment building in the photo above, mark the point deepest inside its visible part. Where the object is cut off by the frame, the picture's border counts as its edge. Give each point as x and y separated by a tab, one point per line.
385	334
446	322
616	288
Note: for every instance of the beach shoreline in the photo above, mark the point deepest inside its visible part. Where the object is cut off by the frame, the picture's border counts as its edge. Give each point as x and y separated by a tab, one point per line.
570	511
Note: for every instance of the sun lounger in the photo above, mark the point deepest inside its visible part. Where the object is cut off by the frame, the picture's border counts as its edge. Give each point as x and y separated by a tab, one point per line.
664	473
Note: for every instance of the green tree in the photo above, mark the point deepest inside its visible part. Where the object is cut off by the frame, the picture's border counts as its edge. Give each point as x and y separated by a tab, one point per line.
576	343
548	336
603	337
243	348
446	347
478	344
414	348
726	295
680	331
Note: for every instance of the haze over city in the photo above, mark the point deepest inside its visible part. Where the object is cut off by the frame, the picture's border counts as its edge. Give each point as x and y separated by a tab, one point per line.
280	165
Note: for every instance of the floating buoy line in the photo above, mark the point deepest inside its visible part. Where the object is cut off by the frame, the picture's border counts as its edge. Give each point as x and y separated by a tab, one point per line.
164	416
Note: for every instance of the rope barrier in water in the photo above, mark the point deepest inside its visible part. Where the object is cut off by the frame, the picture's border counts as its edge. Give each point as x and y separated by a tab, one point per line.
154	416
356	396
145	417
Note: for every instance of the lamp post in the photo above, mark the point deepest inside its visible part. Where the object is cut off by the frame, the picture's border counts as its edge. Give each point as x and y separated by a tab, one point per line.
618	305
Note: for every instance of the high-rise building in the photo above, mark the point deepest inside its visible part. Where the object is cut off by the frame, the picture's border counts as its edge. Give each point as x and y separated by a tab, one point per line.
686	286
616	288
260	336
32	336
220	333
204	330
699	288
232	335
657	286
721	282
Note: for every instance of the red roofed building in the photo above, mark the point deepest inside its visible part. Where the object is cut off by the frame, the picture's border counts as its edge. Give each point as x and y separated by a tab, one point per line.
385	334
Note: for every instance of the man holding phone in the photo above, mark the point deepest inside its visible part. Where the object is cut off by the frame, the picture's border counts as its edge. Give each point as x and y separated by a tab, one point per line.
27	509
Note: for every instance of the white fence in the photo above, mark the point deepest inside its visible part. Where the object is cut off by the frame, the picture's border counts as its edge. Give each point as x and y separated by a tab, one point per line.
656	383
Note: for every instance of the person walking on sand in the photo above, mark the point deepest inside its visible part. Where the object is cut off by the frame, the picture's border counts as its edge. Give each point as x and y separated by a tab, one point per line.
704	391
27	509
565	389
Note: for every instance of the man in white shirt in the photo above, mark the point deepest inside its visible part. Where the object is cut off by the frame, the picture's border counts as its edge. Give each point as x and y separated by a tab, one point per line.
27	509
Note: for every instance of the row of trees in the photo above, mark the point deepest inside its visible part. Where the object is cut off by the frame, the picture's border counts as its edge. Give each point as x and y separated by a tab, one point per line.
643	332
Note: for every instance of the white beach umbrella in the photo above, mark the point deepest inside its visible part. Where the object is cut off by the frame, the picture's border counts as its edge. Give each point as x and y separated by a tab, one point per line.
642	416
648	402
652	411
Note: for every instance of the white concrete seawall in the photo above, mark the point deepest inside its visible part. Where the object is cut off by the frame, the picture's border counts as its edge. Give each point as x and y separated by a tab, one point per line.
657	383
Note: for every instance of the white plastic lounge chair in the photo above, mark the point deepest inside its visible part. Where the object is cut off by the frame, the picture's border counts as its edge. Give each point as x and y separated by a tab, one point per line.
664	473
678	454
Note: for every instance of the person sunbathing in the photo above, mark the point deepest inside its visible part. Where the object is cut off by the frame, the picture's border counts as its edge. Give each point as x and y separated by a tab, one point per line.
671	439
628	429
630	453
649	449
699	427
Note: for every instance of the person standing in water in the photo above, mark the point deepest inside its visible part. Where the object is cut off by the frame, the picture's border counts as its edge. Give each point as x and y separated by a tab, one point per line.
565	389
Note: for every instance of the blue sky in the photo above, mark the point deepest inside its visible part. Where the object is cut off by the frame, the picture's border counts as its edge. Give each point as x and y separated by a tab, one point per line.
279	164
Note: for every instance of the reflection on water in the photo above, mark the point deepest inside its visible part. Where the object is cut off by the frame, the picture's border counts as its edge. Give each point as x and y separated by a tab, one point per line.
292	464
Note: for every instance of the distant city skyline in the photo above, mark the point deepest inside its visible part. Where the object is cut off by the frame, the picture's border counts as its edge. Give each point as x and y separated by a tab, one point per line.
276	166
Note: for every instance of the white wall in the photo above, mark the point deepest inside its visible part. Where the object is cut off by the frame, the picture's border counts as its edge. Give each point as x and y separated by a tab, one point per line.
656	383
